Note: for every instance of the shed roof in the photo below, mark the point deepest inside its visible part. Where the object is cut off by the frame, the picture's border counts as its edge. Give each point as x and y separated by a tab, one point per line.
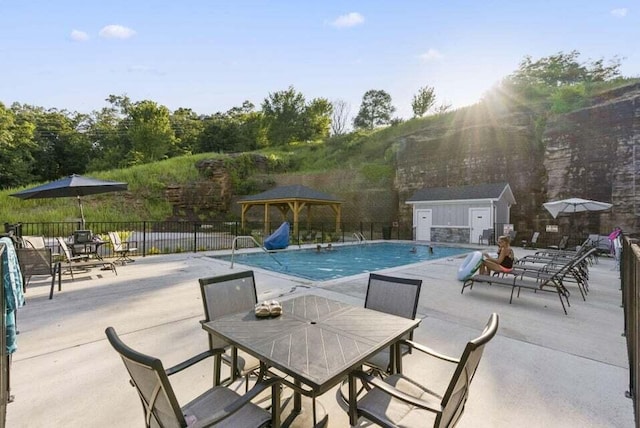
492	191
296	191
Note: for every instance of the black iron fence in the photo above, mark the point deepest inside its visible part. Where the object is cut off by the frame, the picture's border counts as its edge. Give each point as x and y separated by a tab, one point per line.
168	237
630	286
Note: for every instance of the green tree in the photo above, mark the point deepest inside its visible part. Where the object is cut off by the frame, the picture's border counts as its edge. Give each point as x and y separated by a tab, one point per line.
16	143
563	69
375	110
187	127
284	115
152	138
423	101
317	119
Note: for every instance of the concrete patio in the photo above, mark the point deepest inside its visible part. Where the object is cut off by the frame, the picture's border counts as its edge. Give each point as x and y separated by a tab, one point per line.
543	369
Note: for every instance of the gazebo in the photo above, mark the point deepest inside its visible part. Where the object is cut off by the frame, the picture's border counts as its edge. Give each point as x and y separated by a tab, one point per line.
294	198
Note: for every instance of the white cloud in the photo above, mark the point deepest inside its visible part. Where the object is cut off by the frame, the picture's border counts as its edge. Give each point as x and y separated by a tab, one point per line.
430	55
619	13
349	20
79	36
116	32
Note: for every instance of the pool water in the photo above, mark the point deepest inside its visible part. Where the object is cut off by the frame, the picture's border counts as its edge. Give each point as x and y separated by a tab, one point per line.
343	260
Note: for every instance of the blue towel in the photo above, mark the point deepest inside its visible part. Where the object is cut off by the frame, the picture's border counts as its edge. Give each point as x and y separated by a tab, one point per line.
14	298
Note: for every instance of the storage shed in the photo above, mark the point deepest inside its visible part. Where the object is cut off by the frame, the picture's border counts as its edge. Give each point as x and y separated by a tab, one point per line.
460	214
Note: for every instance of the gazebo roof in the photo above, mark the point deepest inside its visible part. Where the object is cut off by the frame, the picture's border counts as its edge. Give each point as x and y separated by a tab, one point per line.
288	193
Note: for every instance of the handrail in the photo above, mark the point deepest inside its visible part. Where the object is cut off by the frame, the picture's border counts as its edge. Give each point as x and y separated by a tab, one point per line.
359	237
251	238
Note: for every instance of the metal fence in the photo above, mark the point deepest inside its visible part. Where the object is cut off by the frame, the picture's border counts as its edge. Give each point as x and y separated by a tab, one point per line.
630	286
184	236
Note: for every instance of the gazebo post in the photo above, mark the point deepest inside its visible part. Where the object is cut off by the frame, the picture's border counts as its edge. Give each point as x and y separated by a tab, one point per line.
266	221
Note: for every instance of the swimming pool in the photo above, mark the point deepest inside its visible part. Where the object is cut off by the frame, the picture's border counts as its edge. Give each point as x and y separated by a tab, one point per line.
344	260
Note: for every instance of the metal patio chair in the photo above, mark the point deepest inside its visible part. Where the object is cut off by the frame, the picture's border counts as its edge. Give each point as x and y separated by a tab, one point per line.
121	249
402	401
224	295
396	296
218	406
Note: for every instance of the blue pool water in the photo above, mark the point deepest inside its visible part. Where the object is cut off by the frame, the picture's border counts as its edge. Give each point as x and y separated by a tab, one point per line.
343	260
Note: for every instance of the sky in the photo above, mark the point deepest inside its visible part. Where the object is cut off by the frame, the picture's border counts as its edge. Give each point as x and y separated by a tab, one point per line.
211	55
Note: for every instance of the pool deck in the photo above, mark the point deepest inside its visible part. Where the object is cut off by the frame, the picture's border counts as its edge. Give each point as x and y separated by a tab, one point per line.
543	369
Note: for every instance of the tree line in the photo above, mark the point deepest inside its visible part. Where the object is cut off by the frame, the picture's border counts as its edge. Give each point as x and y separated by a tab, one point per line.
38	144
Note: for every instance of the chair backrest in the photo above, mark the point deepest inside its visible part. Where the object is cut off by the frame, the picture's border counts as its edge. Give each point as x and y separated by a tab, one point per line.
563	242
457	393
64	248
227	294
396	296
35	242
35	261
534	238
82	236
486	234
159	403
114	237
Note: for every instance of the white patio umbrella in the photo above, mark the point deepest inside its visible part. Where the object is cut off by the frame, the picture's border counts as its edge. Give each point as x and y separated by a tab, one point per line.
575	205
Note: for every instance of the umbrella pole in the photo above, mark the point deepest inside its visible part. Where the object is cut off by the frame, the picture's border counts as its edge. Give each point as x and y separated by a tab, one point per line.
81	212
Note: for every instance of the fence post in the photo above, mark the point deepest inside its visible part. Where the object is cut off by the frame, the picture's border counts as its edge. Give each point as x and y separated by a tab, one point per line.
144	238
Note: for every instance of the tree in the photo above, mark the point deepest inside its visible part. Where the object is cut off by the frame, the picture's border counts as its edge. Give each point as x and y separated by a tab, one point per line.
187	128
563	69
317	119
16	143
423	101
375	110
152	138
339	117
284	113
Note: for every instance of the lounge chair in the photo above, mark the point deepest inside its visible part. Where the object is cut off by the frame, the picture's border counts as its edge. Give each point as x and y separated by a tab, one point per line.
218	406
400	401
121	249
552	283
533	242
562	244
71	263
576	271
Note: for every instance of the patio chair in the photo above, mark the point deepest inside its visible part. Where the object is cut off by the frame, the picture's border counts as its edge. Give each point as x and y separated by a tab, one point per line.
224	295
396	296
487	235
121	249
38	262
82	262
533	242
219	406
552	283
399	400
562	244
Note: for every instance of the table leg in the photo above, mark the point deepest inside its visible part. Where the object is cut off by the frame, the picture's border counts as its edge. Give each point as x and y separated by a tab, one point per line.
297	398
353	413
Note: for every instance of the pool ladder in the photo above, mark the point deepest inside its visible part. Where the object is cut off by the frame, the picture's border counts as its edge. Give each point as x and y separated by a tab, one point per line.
359	237
253	240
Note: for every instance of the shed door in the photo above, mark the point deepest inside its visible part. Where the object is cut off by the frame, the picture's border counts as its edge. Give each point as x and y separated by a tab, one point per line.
423	228
480	219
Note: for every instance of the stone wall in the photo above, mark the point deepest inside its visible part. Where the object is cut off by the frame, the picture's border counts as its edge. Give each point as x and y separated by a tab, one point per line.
450	234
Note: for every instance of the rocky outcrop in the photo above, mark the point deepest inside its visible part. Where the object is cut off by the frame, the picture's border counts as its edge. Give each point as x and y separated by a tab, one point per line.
589	153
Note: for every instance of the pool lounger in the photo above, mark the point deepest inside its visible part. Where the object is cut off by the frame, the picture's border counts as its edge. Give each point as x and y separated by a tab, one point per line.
548	284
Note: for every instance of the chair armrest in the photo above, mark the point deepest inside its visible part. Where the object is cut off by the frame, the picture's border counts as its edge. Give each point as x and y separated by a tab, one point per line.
429	351
193	360
427	404
239	403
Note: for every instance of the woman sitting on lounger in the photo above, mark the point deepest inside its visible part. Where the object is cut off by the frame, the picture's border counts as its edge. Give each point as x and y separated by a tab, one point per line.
504	262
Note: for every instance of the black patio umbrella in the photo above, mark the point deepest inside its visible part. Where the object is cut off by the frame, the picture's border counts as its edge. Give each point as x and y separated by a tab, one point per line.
73	185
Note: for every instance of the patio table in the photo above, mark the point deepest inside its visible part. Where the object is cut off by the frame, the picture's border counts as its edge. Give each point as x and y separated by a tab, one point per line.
89	248
316	341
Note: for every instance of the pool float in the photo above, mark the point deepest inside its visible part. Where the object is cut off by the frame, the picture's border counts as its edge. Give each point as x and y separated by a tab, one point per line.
469	266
